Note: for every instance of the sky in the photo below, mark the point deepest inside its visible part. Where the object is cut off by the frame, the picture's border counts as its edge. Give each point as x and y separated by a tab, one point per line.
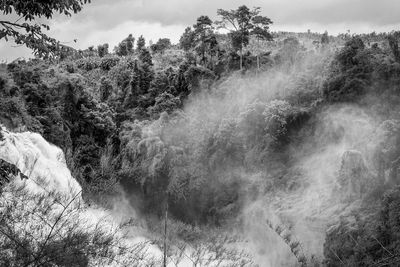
110	21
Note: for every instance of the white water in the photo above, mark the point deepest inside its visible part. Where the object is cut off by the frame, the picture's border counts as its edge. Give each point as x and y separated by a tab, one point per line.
48	175
45	166
40	161
310	210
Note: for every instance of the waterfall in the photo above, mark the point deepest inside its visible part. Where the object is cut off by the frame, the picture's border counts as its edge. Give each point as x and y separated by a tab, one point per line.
51	192
42	162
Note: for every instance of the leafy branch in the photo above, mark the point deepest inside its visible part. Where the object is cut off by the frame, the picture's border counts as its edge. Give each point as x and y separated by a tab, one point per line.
31	34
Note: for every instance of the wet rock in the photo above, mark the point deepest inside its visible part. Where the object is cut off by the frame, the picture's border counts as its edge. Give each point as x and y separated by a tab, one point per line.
387	154
7	171
354	176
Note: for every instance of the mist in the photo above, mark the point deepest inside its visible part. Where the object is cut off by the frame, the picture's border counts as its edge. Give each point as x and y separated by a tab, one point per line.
227	145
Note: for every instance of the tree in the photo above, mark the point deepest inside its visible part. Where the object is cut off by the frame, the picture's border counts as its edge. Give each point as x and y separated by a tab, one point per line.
141	43
394	45
204	38
290	49
241	22
121	49
161	45
125	47
102	50
129	43
187	39
261	32
324	39
165	102
147	73
140	81
29	11
351	72
145	57
106	89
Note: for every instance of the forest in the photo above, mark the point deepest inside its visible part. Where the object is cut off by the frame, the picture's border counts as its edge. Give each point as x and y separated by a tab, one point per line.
234	147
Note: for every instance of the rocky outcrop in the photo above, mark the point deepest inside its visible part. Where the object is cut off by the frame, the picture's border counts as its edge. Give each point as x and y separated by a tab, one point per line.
353	175
7	171
387	155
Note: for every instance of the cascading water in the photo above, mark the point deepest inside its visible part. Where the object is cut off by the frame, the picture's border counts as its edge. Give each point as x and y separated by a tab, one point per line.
38	160
310	209
51	187
49	178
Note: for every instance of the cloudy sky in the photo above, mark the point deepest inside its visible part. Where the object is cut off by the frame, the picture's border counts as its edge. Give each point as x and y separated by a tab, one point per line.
109	21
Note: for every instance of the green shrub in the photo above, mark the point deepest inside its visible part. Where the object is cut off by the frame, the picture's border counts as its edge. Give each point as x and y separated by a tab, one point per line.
88	64
109	62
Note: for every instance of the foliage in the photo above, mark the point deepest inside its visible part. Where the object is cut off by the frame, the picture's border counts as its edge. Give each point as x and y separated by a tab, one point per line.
165	102
187	39
394	45
261	28
195	75
102	50
289	52
325	38
108	62
125	47
161	45
243	22
178	126
141	43
50	228
371	241
34	38
88	64
106	89
204	39
352	73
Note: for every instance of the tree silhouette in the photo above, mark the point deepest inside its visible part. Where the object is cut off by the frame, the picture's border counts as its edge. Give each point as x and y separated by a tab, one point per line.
241	23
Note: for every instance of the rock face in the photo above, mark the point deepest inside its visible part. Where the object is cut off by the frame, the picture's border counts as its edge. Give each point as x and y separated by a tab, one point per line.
388	151
353	175
8	170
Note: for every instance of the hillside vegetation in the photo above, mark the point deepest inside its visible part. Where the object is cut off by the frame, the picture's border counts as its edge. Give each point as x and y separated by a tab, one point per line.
249	139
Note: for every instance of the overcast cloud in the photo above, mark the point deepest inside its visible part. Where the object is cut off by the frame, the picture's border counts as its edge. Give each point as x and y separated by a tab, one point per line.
109	21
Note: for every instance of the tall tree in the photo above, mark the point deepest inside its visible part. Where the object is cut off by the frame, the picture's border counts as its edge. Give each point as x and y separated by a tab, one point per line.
394	45
204	38
102	50
28	12
161	45
241	22
261	32
146	70
187	39
141	43
324	39
129	43
125	47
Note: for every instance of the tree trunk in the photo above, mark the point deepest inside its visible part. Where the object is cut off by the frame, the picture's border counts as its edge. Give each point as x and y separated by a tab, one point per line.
258	55
241	57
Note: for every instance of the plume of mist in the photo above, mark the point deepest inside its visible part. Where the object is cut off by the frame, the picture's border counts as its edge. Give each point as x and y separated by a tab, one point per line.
288	207
211	113
316	201
304	195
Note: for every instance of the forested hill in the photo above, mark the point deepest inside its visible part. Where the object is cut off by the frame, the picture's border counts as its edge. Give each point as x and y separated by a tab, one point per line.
296	131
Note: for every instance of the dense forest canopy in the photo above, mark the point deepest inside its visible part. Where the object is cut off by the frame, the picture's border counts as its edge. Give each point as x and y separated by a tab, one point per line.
254	148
